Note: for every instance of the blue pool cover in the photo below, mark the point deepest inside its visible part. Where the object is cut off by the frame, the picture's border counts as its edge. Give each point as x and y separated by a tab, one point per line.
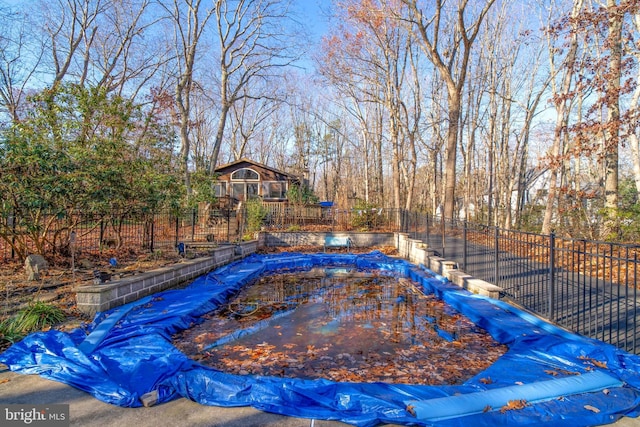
561	378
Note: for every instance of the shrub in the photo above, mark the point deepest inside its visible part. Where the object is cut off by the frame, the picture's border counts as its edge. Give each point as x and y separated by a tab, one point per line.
8	332
256	214
364	216
35	317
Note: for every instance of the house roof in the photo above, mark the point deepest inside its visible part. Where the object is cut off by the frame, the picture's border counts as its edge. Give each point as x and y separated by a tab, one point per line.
254	163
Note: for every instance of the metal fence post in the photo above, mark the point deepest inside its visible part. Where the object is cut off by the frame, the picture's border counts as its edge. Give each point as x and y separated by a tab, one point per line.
177	230
442	231
12	220
153	232
496	257
193	225
552	276
101	233
428	233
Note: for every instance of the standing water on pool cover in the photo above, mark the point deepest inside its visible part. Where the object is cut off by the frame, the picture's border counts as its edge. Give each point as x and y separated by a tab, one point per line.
343	325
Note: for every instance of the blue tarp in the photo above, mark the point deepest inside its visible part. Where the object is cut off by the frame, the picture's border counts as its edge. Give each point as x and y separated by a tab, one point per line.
127	352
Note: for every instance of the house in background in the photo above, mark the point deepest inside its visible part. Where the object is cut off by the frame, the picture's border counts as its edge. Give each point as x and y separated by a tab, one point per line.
245	179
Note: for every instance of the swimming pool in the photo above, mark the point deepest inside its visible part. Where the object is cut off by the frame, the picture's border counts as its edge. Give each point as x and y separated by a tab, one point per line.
547	376
341	324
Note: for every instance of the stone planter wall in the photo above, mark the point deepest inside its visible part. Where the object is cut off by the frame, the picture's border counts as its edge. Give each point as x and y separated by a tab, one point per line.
97	298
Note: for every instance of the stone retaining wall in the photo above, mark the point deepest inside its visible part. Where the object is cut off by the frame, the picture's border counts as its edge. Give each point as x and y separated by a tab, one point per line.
294	238
97	298
414	250
417	252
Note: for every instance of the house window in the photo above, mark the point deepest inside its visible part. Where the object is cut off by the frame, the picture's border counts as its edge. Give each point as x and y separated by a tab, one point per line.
245	184
251	190
274	190
220	189
244	190
245	175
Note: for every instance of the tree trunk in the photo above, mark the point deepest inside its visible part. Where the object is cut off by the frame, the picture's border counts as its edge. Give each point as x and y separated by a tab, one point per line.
562	111
613	122
213	160
451	155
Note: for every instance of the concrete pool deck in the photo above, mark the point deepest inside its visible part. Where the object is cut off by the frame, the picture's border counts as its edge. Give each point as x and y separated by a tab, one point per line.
85	410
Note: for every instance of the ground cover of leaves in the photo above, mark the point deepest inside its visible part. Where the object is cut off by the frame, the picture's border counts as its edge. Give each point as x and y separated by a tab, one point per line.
58	284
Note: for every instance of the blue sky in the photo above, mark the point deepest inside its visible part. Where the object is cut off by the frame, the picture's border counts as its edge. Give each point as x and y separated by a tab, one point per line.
313	15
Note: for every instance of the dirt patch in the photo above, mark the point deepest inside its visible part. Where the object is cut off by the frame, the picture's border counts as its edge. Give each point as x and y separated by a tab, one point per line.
58	285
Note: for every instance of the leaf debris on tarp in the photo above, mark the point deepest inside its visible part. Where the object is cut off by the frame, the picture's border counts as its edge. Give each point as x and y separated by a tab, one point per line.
513	405
362	329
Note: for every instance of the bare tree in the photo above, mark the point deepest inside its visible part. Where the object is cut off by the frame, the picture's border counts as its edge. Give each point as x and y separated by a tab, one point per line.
21	53
71	26
124	53
374	51
451	61
189	22
253	45
247	116
562	101
510	64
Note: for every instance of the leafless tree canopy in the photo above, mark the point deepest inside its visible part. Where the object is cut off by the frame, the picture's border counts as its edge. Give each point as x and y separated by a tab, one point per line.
512	113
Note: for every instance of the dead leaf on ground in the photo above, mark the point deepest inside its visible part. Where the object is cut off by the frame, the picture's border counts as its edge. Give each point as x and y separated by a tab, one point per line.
591	408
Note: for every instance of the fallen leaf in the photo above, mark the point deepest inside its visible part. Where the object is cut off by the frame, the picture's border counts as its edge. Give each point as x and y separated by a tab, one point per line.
591	408
411	410
599	364
513	405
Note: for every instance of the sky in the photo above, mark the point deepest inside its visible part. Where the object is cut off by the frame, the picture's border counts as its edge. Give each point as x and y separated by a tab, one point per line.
313	13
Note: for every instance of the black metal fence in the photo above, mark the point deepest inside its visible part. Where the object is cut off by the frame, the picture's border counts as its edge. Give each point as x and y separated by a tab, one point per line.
588	287
94	233
318	218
